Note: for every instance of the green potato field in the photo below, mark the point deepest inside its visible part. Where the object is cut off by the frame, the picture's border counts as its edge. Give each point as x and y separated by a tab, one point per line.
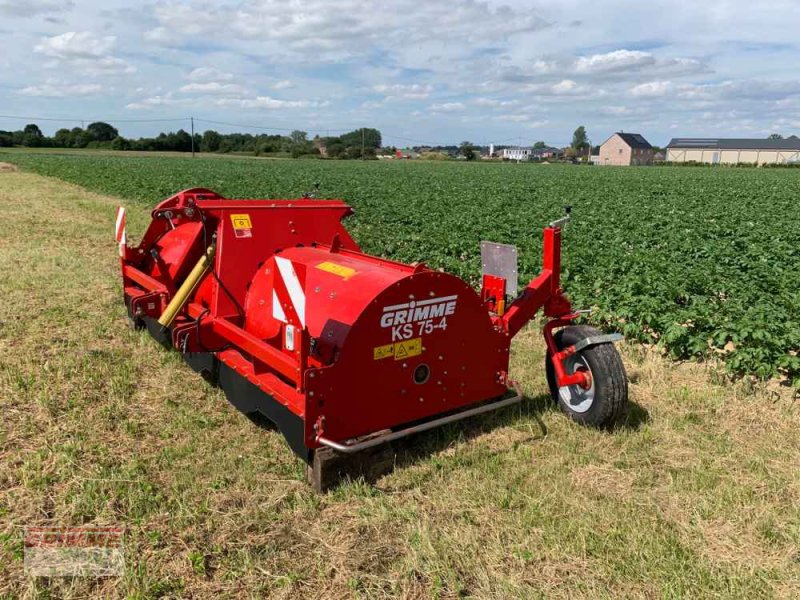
703	261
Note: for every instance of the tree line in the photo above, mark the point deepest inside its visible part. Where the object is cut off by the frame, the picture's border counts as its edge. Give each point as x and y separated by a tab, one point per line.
360	143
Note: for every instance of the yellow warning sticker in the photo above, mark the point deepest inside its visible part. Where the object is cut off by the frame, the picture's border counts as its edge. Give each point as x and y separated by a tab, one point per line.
408	348
242	227
400	350
336	269
241	222
383	351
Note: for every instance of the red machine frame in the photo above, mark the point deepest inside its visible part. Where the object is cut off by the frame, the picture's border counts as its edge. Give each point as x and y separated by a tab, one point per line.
215	331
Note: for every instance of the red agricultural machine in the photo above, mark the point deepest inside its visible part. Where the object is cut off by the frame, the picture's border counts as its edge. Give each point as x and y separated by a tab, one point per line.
273	301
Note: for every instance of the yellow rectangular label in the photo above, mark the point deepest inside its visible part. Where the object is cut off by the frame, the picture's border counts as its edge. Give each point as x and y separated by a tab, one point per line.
339	270
408	348
383	351
241	222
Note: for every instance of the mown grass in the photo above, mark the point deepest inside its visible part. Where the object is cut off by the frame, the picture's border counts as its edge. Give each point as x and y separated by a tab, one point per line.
697	494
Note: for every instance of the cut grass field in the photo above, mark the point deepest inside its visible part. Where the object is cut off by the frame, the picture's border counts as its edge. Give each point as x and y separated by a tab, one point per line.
696	494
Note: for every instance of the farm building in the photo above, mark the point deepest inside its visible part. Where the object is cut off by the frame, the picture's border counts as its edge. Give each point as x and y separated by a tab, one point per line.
517	153
546	153
529	153
732	151
625	149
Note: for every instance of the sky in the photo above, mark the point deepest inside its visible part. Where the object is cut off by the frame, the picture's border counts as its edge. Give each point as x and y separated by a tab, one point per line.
421	71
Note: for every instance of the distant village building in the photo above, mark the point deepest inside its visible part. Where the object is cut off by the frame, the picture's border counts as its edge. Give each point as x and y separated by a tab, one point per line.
546	153
625	149
731	151
518	153
406	153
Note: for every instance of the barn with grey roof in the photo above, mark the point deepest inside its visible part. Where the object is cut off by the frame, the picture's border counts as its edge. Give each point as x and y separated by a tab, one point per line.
733	151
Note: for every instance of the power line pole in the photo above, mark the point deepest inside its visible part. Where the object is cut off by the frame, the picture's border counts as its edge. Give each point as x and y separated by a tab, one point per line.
192	120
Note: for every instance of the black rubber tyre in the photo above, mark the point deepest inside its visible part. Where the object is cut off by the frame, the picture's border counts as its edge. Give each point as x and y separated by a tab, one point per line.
606	401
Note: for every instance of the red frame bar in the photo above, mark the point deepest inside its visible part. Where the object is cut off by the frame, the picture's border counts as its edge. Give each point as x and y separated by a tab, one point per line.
282	363
143	279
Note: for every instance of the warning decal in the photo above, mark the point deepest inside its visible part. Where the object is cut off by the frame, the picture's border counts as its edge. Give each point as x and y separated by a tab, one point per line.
383	351
408	348
400	350
336	269
242	226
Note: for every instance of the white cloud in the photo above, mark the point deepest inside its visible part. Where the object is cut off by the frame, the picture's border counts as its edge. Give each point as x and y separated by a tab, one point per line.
83	51
159	35
652	89
57	89
412	91
328	31
521	119
75	44
207	74
494	102
33	8
269	103
514	118
213	87
618	60
481	70
447	107
250	102
153	101
565	87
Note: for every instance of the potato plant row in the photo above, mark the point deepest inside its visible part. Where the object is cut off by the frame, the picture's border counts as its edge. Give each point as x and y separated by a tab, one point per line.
704	262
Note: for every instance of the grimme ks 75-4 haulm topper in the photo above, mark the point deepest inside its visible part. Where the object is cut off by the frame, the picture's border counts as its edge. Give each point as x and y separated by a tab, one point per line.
273	301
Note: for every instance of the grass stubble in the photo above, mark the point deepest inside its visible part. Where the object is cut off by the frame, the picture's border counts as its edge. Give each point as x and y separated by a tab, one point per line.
697	494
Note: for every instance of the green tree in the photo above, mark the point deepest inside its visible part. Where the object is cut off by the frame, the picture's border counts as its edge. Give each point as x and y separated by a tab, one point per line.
298	137
63	138
210	141
775	136
539	146
32	136
79	138
182	141
580	141
366	136
467	150
334	147
101	132
120	143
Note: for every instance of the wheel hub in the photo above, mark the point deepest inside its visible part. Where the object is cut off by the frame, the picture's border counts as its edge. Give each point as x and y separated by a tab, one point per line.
577	397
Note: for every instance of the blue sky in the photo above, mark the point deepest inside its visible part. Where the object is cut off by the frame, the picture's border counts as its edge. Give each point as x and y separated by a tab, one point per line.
422	71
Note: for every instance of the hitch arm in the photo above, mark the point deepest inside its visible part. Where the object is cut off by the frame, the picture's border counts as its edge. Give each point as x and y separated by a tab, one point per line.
544	291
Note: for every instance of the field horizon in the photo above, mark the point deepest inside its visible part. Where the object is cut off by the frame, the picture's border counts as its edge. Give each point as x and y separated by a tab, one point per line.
696	260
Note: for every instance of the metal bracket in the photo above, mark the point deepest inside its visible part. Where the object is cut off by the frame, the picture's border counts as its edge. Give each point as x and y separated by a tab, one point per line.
395	435
559	223
598	339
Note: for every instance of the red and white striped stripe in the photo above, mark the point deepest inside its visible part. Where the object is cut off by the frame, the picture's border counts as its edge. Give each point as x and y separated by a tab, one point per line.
288	292
121	230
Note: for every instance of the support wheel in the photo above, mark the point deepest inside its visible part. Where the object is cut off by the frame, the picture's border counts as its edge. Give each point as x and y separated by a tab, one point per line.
605	401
